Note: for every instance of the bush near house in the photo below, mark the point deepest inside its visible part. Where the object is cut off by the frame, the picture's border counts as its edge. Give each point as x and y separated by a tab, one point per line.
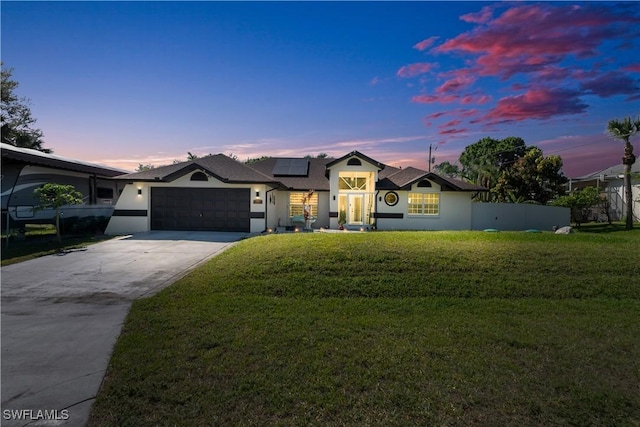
388	328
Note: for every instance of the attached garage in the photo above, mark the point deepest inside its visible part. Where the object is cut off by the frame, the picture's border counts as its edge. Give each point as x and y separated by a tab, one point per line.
200	209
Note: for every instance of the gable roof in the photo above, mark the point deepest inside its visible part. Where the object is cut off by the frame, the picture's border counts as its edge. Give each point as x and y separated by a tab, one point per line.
360	156
610	172
35	157
403	179
315	178
219	166
269	171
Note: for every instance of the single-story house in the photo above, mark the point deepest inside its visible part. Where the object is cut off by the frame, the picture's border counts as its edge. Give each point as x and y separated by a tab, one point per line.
24	170
355	191
610	181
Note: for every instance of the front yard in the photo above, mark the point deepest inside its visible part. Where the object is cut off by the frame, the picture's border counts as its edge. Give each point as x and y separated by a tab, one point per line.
389	328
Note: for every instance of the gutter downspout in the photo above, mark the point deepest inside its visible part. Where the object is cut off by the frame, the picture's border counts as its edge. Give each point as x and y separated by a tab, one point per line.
375	207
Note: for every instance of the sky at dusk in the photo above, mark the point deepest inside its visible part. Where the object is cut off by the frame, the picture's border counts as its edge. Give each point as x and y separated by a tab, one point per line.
124	83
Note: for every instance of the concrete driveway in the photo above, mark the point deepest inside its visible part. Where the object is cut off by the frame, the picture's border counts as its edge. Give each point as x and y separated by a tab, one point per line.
61	316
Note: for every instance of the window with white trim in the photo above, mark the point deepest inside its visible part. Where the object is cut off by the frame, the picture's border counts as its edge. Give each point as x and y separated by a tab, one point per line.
296	204
424	204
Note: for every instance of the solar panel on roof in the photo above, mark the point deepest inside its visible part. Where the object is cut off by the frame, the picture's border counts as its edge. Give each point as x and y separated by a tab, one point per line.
291	167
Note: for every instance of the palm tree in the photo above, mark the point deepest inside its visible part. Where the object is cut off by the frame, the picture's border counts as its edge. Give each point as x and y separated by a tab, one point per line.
624	130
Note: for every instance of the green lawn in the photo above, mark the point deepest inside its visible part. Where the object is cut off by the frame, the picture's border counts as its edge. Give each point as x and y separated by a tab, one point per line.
389	328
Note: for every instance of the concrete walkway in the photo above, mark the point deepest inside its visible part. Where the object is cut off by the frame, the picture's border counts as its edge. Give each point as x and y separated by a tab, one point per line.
61	316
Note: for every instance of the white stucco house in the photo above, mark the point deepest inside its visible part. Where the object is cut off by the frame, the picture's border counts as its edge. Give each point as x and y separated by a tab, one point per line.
221	194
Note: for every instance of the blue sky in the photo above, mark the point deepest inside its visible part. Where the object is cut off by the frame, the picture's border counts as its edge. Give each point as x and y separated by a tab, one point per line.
123	83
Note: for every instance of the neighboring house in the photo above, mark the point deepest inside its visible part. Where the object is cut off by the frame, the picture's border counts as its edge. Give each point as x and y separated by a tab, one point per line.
24	170
610	182
221	194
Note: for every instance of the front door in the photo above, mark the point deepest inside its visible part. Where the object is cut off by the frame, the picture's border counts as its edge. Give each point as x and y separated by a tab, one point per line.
356	209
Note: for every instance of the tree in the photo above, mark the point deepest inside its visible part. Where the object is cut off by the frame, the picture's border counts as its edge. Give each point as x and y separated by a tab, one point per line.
255	159
532	177
55	196
484	161
623	130
580	202
16	120
446	168
142	168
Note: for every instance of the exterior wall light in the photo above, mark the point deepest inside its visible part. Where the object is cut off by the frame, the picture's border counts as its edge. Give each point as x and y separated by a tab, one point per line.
139	191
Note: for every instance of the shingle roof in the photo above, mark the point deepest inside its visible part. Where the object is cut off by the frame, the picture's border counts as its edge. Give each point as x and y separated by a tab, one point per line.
315	180
359	155
219	166
610	171
36	157
402	179
226	169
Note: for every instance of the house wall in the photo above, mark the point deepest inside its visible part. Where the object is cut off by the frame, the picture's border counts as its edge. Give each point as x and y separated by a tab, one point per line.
278	213
133	212
454	213
517	216
616	195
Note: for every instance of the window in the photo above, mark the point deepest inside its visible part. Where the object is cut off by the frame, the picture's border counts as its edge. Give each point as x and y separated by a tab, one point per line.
296	204
391	198
104	193
199	176
354	162
424	204
355	181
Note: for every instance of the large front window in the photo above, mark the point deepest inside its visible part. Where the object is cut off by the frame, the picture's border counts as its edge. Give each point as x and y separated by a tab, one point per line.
297	202
355	181
356	197
424	204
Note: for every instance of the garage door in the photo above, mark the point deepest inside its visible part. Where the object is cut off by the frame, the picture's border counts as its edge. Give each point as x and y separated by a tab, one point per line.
202	209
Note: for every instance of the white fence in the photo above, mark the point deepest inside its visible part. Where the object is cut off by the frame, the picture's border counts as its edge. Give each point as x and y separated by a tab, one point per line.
517	216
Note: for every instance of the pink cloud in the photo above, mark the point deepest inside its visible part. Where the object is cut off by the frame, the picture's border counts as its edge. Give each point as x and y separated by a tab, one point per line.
610	84
540	103
528	38
635	68
430	99
467	113
426	43
457	83
450	123
478	100
452	131
416	69
436	115
481	17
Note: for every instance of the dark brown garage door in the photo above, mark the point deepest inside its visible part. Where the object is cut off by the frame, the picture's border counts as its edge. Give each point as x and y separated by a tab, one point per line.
202	209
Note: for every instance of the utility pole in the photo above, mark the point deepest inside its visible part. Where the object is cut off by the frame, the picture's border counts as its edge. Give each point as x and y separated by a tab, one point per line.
431	159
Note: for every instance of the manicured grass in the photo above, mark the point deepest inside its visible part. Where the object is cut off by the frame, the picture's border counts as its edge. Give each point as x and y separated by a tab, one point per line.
388	328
